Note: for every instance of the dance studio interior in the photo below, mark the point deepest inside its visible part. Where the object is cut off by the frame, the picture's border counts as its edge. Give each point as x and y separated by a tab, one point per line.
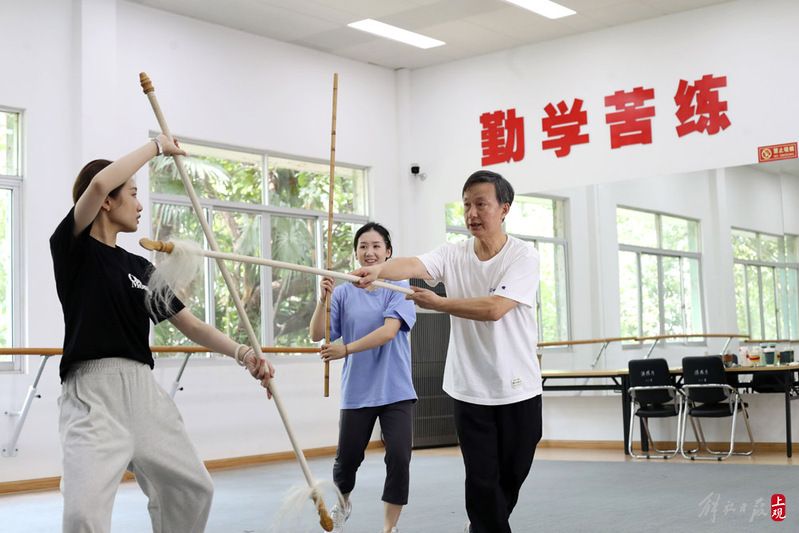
652	148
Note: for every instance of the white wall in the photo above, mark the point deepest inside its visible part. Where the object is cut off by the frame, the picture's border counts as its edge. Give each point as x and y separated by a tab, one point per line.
75	73
743	40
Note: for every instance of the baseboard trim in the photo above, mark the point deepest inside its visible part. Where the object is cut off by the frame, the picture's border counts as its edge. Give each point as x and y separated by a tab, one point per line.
29	485
583	444
51	483
770	447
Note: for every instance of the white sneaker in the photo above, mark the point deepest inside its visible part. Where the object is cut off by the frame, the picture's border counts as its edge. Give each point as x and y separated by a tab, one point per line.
393	530
339	516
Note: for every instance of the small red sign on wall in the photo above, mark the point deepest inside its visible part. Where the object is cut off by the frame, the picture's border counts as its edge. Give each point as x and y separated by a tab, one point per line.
776	152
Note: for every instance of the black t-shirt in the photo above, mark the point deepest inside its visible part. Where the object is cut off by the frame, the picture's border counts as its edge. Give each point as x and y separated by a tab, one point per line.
102	292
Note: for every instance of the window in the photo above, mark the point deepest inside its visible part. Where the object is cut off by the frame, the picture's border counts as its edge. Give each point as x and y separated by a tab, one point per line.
540	221
258	205
766	297
10	186
660	288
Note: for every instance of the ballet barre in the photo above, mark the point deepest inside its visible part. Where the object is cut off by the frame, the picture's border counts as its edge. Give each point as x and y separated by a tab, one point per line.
10	448
189	350
602	349
656	338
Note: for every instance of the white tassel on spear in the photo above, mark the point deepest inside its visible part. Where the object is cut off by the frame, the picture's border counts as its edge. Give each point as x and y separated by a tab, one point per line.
181	264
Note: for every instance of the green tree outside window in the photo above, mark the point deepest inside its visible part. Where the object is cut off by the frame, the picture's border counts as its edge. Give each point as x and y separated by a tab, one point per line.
540	221
765	276
660	289
262	206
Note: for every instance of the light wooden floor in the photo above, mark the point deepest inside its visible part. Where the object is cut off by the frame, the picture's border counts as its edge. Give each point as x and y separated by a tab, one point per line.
570	453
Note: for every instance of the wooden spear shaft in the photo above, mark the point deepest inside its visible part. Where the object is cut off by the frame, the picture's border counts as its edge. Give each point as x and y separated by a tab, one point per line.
147	87
168	247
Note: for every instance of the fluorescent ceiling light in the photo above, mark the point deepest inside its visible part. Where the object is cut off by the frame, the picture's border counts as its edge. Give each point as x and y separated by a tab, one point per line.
544	8
397	34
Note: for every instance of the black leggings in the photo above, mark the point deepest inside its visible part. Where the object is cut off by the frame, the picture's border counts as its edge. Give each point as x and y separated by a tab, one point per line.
355	428
498	444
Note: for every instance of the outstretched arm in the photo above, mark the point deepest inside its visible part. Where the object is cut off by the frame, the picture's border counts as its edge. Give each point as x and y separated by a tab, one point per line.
396	269
206	335
485	309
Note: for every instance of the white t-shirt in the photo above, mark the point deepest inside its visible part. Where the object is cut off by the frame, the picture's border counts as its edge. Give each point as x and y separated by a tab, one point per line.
490	363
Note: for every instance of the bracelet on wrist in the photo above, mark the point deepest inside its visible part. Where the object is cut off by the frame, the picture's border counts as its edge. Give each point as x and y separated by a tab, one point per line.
346	351
158	145
244	358
238	356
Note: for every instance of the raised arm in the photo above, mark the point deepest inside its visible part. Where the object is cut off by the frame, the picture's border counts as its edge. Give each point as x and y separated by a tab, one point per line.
318	318
114	175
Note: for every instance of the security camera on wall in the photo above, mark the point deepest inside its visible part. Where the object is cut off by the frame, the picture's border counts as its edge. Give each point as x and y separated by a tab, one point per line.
416	173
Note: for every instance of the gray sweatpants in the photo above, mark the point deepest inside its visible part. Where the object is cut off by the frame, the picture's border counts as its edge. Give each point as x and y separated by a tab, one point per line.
114	416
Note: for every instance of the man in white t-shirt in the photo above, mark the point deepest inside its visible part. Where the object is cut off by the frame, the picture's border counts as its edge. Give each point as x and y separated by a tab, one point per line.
492	370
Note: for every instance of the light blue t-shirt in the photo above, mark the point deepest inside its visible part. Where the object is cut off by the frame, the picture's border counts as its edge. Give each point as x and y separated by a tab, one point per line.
382	375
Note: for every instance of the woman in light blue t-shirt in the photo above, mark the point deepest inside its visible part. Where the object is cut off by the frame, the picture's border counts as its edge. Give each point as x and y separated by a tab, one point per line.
376	383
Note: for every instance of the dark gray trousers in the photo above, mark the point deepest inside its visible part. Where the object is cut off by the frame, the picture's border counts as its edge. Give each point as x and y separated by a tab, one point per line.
355	429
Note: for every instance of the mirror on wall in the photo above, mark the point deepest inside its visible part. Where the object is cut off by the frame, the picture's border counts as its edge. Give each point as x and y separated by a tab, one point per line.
652	256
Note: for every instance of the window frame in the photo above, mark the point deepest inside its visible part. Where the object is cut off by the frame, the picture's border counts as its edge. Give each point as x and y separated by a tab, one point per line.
14	183
265	211
659	254
778	270
535	241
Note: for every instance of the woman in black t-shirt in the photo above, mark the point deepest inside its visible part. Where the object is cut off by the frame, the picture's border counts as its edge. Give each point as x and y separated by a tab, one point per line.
113	415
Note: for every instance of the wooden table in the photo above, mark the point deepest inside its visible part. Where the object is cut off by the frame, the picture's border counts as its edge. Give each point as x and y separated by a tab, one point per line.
615	380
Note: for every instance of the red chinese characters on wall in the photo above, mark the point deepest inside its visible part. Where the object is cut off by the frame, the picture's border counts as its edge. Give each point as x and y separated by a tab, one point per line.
502	136
563	126
630	123
701	100
699	109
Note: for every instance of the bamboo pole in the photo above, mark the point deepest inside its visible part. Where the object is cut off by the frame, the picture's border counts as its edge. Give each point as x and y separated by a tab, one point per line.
329	297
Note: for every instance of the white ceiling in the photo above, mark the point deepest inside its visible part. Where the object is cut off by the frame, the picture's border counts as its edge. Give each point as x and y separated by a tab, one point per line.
469	27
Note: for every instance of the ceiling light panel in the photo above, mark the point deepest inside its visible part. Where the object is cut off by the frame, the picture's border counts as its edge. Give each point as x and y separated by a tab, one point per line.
397	34
545	8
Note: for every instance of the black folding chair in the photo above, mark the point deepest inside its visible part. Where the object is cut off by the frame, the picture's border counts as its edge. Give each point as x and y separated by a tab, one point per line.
653	395
708	395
